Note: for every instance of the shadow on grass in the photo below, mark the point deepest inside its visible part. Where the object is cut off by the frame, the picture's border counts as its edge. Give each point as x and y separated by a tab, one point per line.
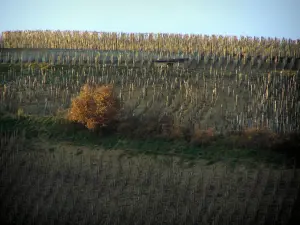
61	130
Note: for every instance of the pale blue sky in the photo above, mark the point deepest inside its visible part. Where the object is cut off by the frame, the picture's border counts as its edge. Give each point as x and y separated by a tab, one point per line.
268	18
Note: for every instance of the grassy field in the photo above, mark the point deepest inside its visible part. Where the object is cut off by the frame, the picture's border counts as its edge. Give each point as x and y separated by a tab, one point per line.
179	153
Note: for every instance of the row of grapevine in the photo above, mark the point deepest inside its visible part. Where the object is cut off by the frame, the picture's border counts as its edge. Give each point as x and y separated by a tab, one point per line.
77	182
189	44
218	98
87	57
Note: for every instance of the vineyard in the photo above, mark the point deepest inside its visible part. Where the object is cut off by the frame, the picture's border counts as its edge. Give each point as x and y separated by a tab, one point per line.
226	93
189	44
202	91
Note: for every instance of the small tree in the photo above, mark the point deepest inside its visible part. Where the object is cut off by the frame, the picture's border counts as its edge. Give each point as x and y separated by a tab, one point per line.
95	107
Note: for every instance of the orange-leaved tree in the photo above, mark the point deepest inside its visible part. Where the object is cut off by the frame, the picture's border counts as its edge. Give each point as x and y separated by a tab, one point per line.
95	107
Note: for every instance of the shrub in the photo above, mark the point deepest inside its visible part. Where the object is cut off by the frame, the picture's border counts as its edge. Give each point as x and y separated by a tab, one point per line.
202	137
95	107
